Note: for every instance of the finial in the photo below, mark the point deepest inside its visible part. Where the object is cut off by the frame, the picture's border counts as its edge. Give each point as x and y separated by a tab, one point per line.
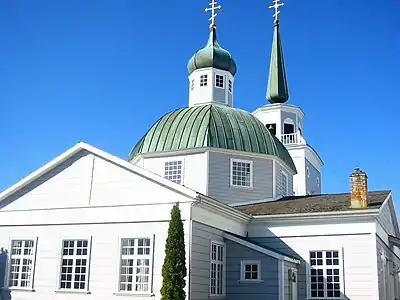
276	8
213	7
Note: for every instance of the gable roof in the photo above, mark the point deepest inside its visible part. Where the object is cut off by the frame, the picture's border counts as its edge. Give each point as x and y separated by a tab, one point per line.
81	146
311	204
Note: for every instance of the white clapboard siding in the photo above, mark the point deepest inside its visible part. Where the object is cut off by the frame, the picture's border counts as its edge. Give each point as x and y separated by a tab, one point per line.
104	256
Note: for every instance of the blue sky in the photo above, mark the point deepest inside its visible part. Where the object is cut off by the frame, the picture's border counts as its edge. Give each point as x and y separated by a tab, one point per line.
103	71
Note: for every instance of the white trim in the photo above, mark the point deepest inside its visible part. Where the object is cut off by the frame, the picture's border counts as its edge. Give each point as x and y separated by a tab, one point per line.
220	244
60	257
260	249
283	107
281	279
135	256
290	122
319	215
232	160
243	264
8	268
118	161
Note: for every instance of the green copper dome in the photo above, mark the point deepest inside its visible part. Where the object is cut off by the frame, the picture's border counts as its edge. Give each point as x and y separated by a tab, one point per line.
212	56
211	126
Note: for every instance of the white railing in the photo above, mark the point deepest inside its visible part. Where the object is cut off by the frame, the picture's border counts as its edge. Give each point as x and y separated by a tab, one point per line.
292	139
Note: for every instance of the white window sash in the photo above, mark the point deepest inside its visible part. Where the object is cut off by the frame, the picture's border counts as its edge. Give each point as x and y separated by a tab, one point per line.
325	267
74	257
218	78
135	257
218	263
245	263
168	176
234	160
21	257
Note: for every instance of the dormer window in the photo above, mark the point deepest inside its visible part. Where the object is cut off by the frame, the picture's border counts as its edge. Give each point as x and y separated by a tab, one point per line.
192	85
230	86
219	81
203	80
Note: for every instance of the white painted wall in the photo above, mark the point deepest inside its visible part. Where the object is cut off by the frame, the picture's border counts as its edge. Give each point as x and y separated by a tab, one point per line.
210	93
356	240
91	198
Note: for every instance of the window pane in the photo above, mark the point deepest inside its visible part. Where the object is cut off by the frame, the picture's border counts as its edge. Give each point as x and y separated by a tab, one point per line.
173	171
74	264
241	173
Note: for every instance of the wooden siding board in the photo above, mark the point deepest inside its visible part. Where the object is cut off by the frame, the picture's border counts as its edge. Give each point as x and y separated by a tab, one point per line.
219	179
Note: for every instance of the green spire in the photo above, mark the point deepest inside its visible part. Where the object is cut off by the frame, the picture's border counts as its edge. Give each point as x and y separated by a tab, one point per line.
277	91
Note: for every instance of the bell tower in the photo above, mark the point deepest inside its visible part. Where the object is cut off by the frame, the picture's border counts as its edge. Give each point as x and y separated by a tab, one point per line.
285	121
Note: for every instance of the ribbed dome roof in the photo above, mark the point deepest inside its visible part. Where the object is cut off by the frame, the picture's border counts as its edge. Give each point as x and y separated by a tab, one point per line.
212	56
211	126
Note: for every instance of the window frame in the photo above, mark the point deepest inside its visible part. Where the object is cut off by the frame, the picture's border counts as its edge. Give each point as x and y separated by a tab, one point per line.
324	267
60	257
223	287
230	86
151	263
318	181
182	169
283	173
203	80
216	81
232	160
243	265
8	268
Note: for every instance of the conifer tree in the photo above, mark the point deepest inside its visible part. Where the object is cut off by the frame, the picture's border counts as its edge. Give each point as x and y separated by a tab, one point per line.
174	267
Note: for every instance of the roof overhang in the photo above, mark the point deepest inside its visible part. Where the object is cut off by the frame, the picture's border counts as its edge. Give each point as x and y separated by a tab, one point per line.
260	249
280	106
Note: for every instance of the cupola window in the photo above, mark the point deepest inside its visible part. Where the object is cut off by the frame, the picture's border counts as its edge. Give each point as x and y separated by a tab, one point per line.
241	173
192	85
203	80
230	86
219	81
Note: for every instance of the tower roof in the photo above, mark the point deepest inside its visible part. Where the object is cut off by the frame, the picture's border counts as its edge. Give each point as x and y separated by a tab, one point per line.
212	56
211	126
277	91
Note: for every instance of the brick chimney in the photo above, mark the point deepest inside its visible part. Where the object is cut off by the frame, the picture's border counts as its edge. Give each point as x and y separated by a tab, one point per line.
359	189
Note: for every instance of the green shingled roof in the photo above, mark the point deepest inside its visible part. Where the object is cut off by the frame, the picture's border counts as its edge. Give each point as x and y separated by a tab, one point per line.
211	126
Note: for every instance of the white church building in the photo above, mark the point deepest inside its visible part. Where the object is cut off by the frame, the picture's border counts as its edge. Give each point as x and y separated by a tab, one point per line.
89	225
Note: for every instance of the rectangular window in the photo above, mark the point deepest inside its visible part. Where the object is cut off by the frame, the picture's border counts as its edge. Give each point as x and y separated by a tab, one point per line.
192	85
21	263
173	171
325	274
217	269
135	266
74	264
285	184
241	173
250	270
203	80
219	81
230	86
